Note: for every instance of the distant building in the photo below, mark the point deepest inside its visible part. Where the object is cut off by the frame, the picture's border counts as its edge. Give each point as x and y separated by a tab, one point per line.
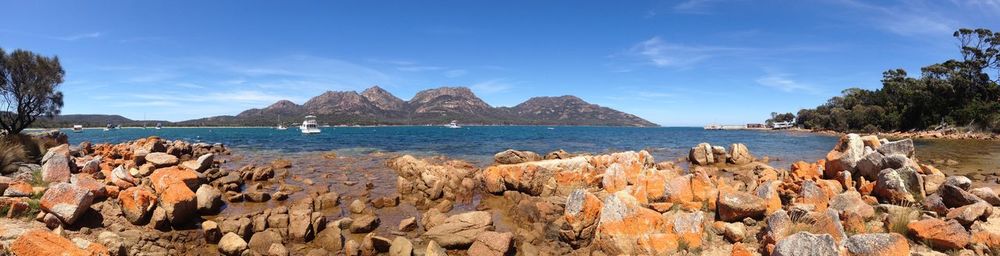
755	126
783	125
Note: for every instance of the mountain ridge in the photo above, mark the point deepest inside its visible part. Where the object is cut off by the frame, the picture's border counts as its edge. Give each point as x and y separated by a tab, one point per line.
376	106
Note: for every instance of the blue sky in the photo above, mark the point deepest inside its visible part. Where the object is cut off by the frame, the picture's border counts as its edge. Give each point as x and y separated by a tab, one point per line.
676	63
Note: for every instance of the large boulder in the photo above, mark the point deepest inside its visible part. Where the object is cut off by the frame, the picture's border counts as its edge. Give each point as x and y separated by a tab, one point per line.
956	197
364	223
166	177
232	244
330	239
940	234
904	147
879	244
402	247
900	185
511	156
56	168
67	201
42	242
627	228
260	242
300	221
459	231
739	154
201	164
179	203
701	154
968	214
986	194
736	206
491	243
851	202
845	156
137	203
871	165
581	217
161	160
209	199
804	243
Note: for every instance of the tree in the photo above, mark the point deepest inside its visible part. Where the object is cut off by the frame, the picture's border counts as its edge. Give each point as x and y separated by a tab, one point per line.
28	85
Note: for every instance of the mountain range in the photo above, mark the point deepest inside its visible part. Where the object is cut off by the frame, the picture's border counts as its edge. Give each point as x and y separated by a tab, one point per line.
376	106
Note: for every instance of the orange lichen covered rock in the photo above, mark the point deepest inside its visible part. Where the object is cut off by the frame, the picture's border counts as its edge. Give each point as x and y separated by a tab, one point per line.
581	215
769	192
632	162
66	201
736	205
43	243
179	203
625	227
944	235
806	171
137	203
164	178
881	244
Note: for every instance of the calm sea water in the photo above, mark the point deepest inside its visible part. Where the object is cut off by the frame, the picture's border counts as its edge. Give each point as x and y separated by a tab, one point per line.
480	143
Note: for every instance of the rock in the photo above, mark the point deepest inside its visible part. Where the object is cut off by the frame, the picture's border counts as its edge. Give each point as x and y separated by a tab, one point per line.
364	224
204	162
904	147
257	196
87	182
804	170
357	206
433	249
122	178
614	179
92	166
372	245
178	202
688	225
581	217
232	244
804	243
51	221
66	201
164	178
352	248
880	244
845	156
871	165
625	227
459	231
956	197
740	154
136	203
432	217
159	220
209	199
408	224
115	244
558	154
701	154
735	206
56	168
491	243
900	185
734	232
161	160
511	156
959	181
40	242
19	189
212	232
330	239
300	220
968	214
852	202
987	194
932	183
941	235
277	249
402	247
261	242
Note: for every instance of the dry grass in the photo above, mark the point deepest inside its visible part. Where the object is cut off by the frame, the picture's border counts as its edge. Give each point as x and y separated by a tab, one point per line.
898	220
11	152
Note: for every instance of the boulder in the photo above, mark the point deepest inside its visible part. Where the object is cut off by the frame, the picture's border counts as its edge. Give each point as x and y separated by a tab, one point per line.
330	239
581	217
933	182
511	156
904	147
940	234
845	156
739	154
614	178
372	245
19	189
701	154
136	204
42	242
300	222
491	243
804	243
261	242
625	227
986	194
900	185
277	249
209	199
689	226
956	197
364	224
879	244
56	168
959	181
91	166
122	178
232	244
851	202
803	170
88	182
179	203
203	162
66	201
461	230
968	214
871	165
408	224
163	178
736	206
402	247
161	160
433	249
212	232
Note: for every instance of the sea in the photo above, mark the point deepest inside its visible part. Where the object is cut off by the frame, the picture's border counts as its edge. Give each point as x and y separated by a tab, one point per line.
479	143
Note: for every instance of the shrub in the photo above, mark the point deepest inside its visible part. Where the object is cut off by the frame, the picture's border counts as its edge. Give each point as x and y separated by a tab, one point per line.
11	153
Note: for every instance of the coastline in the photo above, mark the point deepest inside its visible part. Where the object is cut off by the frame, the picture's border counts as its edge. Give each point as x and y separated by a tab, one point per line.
923	135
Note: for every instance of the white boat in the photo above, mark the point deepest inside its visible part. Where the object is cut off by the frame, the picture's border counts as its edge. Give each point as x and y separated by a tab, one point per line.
281	127
77	128
159	126
309	126
453	125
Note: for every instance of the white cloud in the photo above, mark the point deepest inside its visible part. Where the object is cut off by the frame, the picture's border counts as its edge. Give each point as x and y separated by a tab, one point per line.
693	6
784	82
908	18
657	52
80	36
491	86
455	73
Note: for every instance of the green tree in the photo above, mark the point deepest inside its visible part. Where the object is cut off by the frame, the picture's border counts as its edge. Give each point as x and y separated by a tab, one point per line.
28	85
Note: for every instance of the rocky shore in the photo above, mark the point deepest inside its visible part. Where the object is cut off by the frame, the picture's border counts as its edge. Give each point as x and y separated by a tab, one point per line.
151	196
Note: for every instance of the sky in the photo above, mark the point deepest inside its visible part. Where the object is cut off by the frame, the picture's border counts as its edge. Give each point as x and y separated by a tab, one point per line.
675	63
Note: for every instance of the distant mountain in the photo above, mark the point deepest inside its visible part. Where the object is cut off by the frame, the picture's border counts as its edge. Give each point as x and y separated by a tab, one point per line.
434	106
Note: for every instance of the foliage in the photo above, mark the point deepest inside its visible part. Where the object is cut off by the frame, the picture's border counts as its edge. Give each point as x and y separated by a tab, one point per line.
28	84
951	93
777	118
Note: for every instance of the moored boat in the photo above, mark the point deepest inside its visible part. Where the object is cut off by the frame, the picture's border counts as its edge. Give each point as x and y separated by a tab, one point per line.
309	126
